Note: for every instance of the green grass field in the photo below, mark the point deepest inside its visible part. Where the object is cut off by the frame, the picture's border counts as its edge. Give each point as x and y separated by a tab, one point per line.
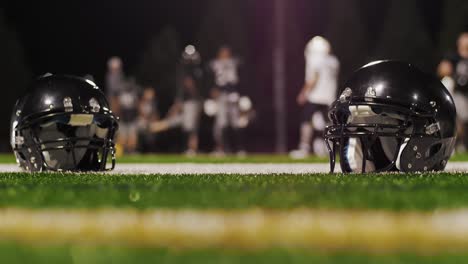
16	253
385	191
207	158
390	192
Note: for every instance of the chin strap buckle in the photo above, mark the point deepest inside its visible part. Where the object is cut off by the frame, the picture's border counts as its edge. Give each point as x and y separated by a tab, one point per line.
432	128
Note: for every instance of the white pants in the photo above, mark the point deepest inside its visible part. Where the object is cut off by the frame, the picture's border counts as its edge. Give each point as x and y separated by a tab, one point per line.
227	115
461	103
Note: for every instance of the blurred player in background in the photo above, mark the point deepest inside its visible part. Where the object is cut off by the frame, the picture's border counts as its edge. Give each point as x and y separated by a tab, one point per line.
444	72
186	110
317	94
453	70
190	64
128	113
147	113
225	70
123	96
115	81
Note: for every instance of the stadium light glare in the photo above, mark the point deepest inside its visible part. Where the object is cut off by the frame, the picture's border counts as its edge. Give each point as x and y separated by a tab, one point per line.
379	87
373	63
48	101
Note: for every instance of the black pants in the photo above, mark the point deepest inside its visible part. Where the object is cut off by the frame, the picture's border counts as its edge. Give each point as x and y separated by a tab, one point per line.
310	109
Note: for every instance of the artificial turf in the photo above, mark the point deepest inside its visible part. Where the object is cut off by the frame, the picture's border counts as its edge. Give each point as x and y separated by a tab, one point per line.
396	192
427	191
16	253
6	158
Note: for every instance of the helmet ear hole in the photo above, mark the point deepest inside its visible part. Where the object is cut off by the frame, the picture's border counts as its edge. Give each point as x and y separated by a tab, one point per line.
434	149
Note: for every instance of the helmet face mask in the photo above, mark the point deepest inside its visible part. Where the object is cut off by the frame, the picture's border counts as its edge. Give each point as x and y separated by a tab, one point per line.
375	130
63	138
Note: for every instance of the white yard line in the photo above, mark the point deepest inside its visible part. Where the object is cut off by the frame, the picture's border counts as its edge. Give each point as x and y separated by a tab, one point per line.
189	168
229	168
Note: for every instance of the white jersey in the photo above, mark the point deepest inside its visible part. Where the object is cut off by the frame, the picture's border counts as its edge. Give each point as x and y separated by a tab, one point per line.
225	71
326	68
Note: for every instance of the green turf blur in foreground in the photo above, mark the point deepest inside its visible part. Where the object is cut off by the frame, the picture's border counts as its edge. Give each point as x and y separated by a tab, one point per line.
15	253
384	191
6	158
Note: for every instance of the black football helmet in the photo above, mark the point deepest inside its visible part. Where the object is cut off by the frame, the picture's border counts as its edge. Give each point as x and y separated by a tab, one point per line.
63	123
391	117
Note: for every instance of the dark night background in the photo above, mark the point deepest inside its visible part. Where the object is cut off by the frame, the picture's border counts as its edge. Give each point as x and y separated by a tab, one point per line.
77	37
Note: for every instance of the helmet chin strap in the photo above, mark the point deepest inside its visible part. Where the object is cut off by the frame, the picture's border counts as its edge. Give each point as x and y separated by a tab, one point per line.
400	151
355	157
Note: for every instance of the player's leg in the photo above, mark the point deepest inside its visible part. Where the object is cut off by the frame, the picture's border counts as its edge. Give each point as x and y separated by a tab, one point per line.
192	143
220	124
305	136
190	123
235	130
319	122
461	102
240	139
218	136
305	133
122	137
132	138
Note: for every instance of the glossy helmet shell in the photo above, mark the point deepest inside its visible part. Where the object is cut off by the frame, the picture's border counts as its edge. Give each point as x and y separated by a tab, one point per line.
63	122
425	130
